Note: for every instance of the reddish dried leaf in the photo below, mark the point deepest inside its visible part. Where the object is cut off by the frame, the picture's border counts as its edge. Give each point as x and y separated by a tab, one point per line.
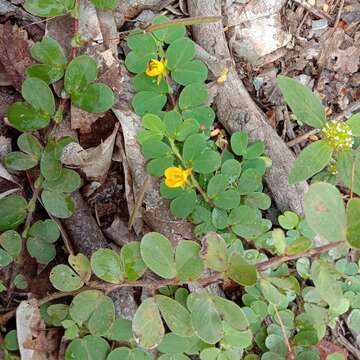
326	347
14	52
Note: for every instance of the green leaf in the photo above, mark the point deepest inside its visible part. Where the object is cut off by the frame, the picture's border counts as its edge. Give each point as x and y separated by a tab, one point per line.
214	252
247	222
239	142
347	162
137	63
143	43
5	258
289	220
48	8
241	271
106	265
173	344
147	325
336	356
193	146
81	264
230	312
299	245
10	341
325	211
154	123
210	354
325	283
157	167
217	185
29	144
231	168
305	105
45	230
68	181
236	339
58	204
310	161
120	330
187	128
50	164
353	320
250	181
353	223
205	319
105	4
189	265
354	123
257	200
227	200
183	205
219	218
157	253
142	82
94	308
172	121
306	338
276	344
48	51
13	211
44	72
207	162
190	72
270	292
24	117
95	98
204	115
11	241
176	316
155	149
193	95
148	102
180	52
20	282
42	251
132	263
119	353
87	348
254	150
80	73
38	94
168	35
63	278
19	161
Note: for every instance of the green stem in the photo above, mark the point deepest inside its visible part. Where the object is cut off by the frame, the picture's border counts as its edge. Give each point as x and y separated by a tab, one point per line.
189	21
32	204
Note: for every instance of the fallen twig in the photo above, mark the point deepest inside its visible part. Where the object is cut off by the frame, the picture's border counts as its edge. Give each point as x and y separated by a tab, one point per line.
314	10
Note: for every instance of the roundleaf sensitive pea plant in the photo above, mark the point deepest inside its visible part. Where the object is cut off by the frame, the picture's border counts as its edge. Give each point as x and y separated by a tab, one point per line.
288	291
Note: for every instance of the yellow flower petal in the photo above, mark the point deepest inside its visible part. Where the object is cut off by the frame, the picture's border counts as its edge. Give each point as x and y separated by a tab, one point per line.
155	68
176	177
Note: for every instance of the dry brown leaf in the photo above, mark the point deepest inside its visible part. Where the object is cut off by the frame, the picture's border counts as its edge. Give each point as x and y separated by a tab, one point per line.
347	60
15	58
109	74
35	342
256	28
94	162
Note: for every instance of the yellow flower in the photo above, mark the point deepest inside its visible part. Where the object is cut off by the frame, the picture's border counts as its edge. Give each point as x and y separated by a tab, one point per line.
176	177
157	68
338	135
